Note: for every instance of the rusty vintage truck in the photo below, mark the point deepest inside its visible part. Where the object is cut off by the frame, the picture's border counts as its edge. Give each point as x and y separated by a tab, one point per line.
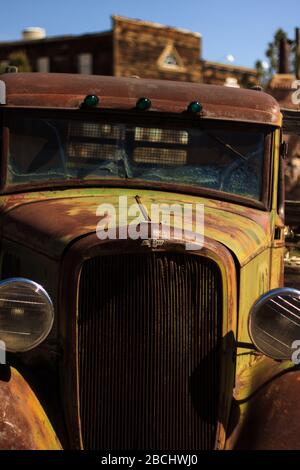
140	343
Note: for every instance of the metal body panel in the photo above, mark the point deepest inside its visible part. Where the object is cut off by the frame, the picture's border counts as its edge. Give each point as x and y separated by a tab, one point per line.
63	216
68	92
60	224
23	422
270	419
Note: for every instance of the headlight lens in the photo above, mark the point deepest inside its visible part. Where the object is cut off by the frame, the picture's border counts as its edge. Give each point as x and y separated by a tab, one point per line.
274	323
26	314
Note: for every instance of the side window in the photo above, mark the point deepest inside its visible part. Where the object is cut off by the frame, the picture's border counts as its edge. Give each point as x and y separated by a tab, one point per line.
281	177
291	135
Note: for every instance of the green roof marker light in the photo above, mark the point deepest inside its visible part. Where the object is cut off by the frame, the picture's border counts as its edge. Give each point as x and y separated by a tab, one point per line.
91	101
143	103
195	107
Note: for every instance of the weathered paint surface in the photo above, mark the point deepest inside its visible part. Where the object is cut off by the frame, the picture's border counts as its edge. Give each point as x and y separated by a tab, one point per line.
49	221
256	278
270	419
259	370
253	369
23	422
68	91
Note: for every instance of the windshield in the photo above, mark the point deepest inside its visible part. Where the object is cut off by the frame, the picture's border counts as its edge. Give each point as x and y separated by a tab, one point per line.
218	156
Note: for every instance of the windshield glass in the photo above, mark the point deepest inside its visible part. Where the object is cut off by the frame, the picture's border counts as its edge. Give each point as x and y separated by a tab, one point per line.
218	156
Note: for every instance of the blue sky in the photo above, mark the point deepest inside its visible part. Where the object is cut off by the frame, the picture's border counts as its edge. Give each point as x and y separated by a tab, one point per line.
240	28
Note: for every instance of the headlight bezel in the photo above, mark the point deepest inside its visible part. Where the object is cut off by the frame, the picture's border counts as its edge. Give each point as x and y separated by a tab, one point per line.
41	292
256	309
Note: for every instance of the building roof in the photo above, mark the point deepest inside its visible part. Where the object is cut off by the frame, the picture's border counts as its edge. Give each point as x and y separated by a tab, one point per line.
282	88
282	81
152	24
50	39
229	67
68	91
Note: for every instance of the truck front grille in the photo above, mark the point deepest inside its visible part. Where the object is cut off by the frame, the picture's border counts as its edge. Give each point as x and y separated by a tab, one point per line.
149	328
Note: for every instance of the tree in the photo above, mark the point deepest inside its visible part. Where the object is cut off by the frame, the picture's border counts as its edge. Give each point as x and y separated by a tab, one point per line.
261	71
20	60
272	54
272	51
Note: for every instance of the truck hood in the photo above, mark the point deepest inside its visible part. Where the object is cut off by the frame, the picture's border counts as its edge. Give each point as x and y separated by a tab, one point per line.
49	221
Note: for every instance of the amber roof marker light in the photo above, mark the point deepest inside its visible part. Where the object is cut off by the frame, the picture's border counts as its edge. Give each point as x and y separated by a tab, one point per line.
143	104
194	107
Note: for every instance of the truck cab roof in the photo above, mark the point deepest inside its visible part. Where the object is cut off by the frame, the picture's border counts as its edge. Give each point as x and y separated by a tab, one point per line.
67	91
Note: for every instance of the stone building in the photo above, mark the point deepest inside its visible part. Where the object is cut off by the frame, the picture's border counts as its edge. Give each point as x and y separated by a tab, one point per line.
131	47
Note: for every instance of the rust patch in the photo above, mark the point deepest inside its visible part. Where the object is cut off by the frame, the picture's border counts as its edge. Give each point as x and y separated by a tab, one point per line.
272	418
51	224
23	423
68	91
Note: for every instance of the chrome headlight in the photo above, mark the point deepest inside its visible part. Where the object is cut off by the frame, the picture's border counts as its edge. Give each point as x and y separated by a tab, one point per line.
274	323
26	314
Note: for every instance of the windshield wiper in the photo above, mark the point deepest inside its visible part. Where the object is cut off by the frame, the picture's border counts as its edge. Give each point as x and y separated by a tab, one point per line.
227	146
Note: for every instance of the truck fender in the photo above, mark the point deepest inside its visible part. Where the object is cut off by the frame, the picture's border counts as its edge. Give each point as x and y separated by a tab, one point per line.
272	418
23	422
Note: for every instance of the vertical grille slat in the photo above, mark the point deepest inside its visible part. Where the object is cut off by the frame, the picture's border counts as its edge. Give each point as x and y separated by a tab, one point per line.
149	330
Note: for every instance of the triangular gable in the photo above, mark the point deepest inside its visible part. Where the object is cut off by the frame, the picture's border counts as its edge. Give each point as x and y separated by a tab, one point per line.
170	59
